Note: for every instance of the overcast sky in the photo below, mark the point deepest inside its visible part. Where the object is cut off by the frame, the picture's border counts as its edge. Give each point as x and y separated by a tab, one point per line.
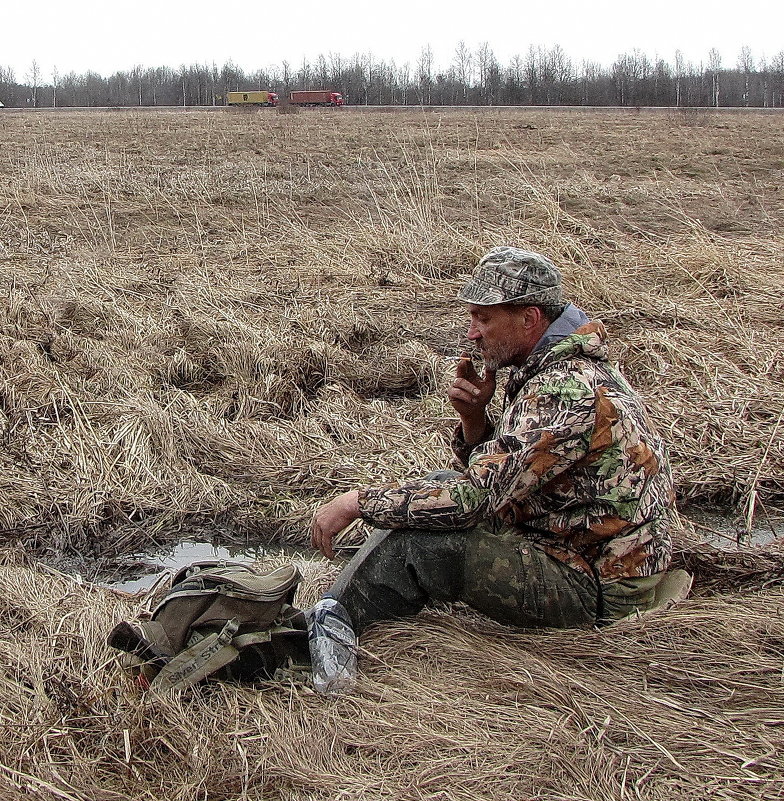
107	36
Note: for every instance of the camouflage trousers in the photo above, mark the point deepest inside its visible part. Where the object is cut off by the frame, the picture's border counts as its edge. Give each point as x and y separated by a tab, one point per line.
499	573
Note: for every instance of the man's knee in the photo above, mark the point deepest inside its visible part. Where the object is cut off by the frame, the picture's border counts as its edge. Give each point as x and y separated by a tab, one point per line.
396	573
374	557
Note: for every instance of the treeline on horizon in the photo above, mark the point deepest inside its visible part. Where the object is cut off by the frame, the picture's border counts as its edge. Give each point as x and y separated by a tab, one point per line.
544	76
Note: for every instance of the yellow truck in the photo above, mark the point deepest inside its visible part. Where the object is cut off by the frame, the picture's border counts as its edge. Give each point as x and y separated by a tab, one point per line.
251	99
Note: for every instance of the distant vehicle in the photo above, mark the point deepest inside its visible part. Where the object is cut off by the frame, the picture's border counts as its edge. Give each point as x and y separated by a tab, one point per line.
321	97
252	99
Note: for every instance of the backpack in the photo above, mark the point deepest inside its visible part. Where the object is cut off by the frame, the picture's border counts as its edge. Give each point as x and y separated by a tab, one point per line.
219	619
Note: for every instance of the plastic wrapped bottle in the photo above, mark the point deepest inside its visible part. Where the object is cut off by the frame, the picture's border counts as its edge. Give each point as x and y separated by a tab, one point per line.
333	648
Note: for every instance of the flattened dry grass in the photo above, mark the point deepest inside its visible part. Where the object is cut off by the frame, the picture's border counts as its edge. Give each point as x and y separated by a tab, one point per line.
213	320
688	704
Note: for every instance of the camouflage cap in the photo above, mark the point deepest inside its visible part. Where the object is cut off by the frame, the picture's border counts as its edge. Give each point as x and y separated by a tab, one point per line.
511	275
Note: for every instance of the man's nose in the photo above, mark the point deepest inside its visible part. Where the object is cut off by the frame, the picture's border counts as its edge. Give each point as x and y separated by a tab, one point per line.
473	332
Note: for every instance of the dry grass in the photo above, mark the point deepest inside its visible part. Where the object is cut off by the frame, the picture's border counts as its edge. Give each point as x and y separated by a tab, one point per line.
689	704
219	320
212	322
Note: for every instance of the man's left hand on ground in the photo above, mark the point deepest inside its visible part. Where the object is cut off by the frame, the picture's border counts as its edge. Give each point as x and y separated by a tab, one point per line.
332	518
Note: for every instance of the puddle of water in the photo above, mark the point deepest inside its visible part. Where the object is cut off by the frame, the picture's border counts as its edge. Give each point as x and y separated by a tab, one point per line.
140	571
728	531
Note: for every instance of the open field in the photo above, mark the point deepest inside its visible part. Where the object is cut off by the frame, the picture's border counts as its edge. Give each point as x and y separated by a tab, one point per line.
211	322
222	319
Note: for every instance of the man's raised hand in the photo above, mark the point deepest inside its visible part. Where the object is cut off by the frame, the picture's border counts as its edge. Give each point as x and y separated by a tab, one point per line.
470	394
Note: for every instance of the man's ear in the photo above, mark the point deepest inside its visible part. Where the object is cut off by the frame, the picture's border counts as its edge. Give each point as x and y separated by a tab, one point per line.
532	316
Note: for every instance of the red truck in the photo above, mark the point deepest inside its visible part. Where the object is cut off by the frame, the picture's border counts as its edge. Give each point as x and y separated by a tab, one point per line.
321	97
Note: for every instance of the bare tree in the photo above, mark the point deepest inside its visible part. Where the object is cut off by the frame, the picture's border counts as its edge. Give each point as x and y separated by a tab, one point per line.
214	78
489	73
777	78
33	77
322	72
303	77
183	79
560	69
336	69
463	68
591	72
368	75
137	75
55	85
405	81
679	70
714	65
662	80
631	74
515	78
532	75
392	81
745	65
231	78
764	72
425	75
622	79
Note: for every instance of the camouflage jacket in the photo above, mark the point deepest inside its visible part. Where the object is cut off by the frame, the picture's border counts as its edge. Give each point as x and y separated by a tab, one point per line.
574	464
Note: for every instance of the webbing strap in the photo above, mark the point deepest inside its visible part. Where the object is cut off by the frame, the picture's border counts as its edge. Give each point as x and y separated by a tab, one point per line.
252	638
156	636
200	660
255	637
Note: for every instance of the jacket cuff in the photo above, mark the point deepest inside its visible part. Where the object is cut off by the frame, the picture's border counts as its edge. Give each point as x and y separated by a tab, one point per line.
462	450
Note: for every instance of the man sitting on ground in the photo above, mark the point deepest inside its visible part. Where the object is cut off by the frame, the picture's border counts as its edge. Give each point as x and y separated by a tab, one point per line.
560	515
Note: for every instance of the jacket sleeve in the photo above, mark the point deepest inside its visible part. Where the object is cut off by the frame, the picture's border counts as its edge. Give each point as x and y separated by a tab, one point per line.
544	433
462	450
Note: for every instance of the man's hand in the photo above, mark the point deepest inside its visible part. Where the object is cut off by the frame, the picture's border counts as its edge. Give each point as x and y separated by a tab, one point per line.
331	518
470	394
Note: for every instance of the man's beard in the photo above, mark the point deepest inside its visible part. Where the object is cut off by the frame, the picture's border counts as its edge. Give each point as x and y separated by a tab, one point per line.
498	356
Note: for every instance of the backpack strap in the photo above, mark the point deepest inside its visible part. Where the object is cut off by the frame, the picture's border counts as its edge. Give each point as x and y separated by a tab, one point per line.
199	660
252	638
257	637
213	652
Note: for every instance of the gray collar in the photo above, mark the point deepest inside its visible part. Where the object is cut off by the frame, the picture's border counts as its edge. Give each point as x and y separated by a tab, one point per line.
570	320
